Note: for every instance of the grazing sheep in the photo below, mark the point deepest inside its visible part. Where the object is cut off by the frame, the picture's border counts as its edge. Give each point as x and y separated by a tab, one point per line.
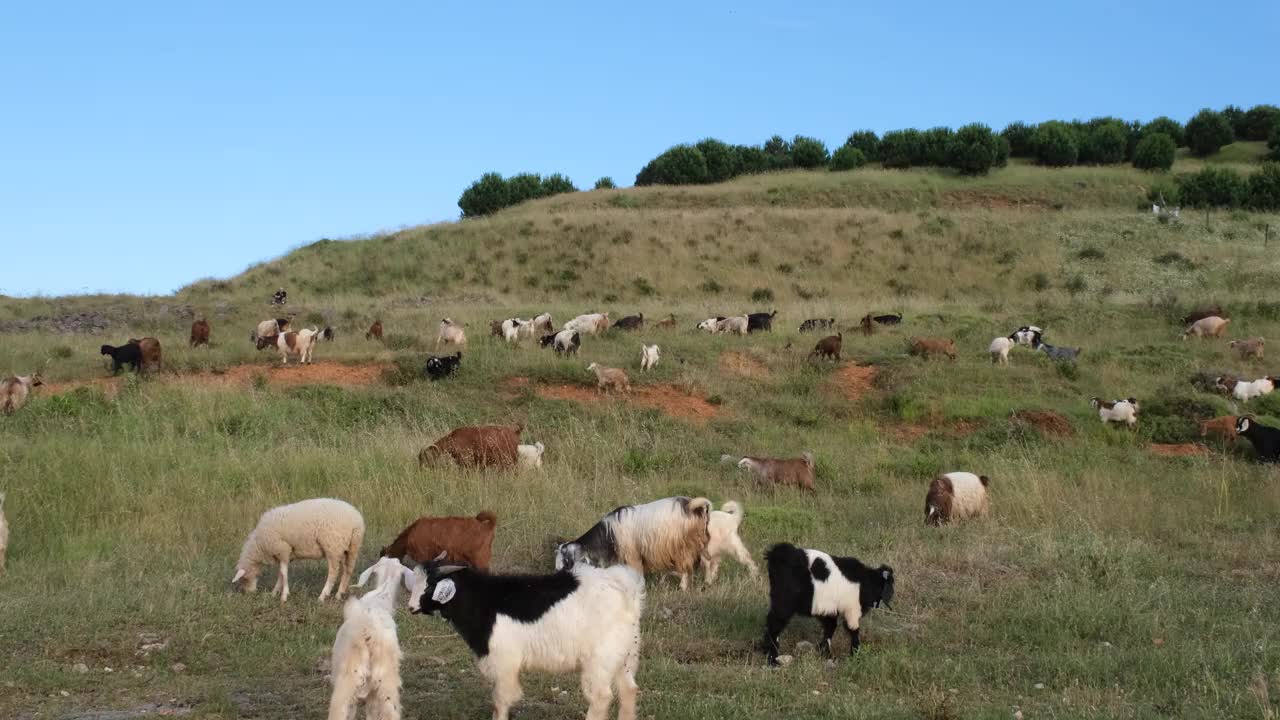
667	324
610	378
150	348
542	323
16	390
828	348
1245	390
1027	335
199	333
589	324
711	324
1264	438
328	334
722	529
926	347
1221	428
1212	326
956	496
567	342
365	660
1201	313
760	321
1252	347
814	584
127	354
649	356
439	367
586	620
484	446
1058	353
667	535
794	472
300	344
1117	411
816	324
306	530
451	333
999	349
531	455
4	534
735	325
630	322
374	332
888	319
461	539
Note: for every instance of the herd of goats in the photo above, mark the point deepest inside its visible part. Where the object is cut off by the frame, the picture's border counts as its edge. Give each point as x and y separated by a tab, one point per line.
585	617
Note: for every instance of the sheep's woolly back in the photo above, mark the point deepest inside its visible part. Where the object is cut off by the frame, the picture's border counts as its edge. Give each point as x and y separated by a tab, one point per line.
661	535
302	530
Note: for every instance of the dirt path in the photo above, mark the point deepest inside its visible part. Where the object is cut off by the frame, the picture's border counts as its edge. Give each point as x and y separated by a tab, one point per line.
321	373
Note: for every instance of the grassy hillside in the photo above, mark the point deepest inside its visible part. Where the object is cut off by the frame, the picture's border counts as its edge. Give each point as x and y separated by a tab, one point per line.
1112	580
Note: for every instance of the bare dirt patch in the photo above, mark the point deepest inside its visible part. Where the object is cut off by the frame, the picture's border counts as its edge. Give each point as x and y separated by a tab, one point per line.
1179	450
1047	422
323	373
744	365
667	398
854	381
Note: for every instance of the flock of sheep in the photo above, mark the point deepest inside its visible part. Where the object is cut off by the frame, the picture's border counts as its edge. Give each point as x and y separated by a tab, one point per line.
585	616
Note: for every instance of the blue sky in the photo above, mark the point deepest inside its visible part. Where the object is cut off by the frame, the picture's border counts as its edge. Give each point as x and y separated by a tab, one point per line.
144	145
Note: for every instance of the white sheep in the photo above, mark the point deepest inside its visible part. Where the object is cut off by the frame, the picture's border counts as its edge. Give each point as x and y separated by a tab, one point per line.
450	333
366	653
723	530
649	355
999	349
531	455
4	534
306	530
1117	411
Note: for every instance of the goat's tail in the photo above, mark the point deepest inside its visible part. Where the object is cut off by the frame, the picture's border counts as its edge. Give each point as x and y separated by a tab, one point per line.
726	459
486	516
731	507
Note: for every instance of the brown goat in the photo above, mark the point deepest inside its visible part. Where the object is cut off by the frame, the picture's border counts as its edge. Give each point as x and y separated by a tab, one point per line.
828	348
150	348
924	347
476	446
1252	347
1221	428
463	539
375	331
199	333
794	472
495	328
667	324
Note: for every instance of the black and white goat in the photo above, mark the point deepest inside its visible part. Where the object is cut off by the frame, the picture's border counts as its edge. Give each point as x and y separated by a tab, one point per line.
567	342
442	366
585	619
832	589
1264	438
817	324
667	535
1027	335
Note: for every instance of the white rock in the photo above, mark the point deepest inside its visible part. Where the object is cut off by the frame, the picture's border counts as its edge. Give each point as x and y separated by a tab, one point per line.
785	660
178	668
80	668
1038	686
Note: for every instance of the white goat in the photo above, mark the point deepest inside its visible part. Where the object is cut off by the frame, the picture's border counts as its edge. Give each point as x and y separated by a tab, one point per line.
450	333
735	325
531	455
649	355
1117	411
723	529
999	349
366	653
1245	390
543	323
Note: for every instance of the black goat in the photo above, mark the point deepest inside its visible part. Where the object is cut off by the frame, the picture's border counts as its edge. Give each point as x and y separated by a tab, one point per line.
888	319
328	333
438	367
1265	439
760	321
128	354
630	322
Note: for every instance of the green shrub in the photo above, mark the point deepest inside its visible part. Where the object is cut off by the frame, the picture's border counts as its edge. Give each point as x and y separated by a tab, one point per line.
1038	281
605	183
1056	144
762	295
847	157
1166	192
680	165
487	195
1263	191
555	183
778	152
1207	132
1235	118
1021	137
866	141
643	287
1165	125
1003	150
1155	152
1273	143
721	161
750	159
902	149
525	186
1213	187
937	144
1105	143
974	150
809	153
710	286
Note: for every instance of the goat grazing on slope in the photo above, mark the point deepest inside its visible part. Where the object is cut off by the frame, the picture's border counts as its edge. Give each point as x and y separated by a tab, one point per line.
667	535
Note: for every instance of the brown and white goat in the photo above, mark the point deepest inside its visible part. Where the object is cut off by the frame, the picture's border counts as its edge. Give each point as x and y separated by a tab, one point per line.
299	344
610	378
956	496
463	540
484	446
793	472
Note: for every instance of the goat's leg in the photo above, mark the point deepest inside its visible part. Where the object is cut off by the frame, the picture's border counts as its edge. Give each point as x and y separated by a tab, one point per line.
713	568
828	630
743	555
774	624
506	692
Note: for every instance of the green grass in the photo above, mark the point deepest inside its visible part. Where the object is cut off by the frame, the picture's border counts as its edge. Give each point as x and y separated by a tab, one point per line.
1126	585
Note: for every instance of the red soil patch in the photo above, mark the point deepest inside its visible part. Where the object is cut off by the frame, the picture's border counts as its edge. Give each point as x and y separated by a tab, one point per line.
1182	450
853	381
324	373
743	364
667	398
1047	422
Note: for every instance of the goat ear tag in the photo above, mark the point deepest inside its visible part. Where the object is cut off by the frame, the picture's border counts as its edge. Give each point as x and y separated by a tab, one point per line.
444	591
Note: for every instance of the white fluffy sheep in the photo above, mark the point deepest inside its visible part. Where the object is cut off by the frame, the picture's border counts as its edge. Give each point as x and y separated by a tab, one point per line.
1117	411
649	355
366	653
531	455
306	530
956	496
4	534
724	540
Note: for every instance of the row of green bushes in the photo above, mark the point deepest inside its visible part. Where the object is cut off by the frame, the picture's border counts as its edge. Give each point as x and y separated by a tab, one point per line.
1217	186
492	192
